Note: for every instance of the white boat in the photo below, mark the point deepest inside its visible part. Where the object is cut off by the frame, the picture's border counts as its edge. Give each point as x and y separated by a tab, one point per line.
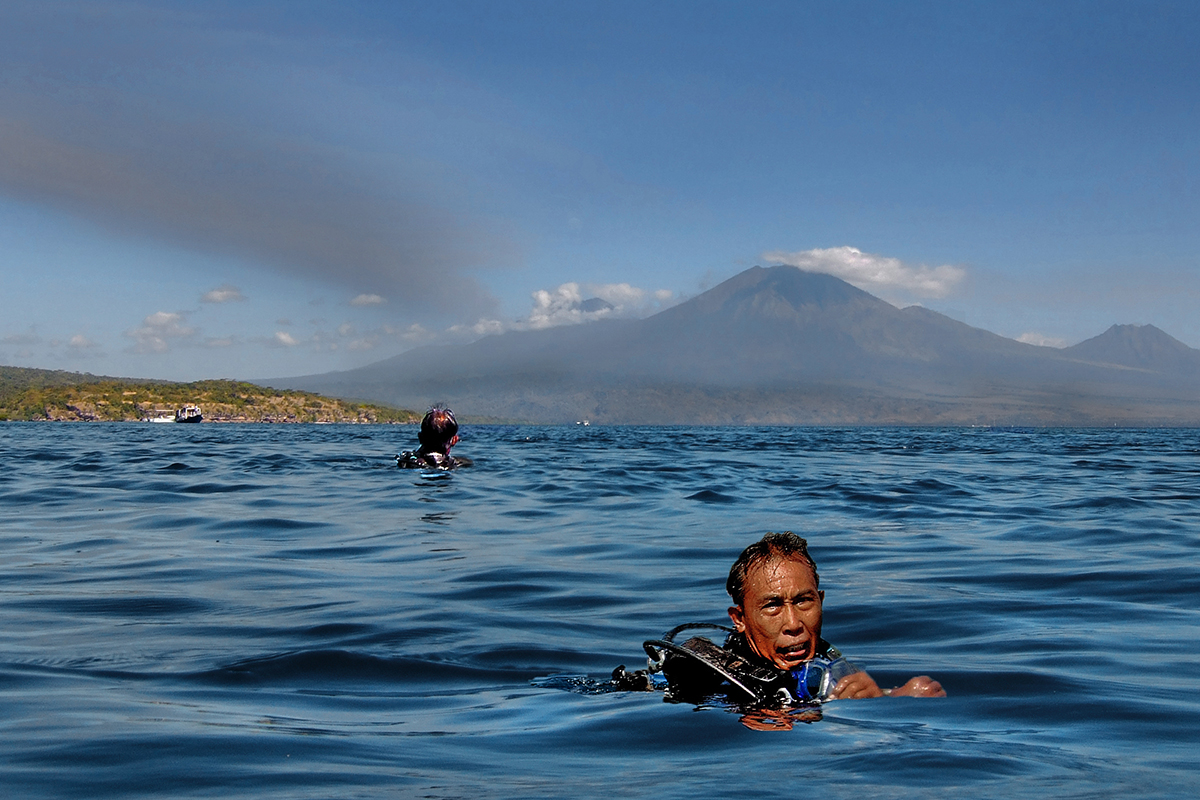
185	414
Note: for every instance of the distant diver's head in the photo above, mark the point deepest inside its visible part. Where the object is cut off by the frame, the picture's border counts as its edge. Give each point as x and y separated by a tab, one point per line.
439	430
777	605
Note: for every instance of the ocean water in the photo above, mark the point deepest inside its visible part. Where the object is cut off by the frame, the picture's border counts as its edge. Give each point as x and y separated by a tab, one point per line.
277	611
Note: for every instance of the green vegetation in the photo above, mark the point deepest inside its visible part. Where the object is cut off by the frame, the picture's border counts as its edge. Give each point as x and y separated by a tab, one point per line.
31	394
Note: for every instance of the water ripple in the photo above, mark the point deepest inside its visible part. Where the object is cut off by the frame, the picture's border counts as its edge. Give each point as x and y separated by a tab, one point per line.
277	610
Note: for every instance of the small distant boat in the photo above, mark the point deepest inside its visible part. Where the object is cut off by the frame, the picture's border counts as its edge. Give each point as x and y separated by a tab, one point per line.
189	414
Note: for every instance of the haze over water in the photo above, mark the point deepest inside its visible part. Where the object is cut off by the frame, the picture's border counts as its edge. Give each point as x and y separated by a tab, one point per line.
277	611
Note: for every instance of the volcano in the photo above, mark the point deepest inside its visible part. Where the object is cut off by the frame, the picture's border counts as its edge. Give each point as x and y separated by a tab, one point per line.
779	345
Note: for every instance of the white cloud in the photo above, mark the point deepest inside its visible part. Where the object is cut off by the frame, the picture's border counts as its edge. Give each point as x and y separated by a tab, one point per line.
285	339
368	300
488	327
414	334
568	304
158	330
621	295
223	294
1041	340
467	333
81	342
556	307
573	303
874	273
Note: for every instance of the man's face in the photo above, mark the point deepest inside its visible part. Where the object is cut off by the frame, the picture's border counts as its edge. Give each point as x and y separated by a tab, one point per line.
781	612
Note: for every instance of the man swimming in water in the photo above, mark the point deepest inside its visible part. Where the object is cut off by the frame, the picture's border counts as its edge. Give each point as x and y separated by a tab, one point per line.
439	432
775	655
777	616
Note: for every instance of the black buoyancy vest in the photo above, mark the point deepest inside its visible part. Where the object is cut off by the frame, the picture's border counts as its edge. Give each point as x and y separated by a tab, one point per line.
698	667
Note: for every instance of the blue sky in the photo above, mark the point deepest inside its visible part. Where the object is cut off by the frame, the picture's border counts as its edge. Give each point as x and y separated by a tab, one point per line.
197	190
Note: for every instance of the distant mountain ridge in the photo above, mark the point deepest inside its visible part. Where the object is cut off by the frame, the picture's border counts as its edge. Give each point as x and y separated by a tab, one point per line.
1140	347
779	345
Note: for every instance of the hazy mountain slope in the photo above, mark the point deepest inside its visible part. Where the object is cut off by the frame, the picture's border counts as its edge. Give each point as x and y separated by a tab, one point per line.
1142	347
785	346
781	325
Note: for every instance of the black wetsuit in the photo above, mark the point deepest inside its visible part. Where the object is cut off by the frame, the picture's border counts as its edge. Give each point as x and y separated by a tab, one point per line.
691	679
429	460
698	669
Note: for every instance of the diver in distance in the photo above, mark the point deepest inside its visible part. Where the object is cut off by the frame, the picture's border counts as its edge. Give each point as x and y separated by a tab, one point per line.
439	432
774	656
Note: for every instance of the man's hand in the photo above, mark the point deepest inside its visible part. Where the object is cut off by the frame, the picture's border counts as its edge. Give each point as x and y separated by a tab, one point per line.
920	686
860	684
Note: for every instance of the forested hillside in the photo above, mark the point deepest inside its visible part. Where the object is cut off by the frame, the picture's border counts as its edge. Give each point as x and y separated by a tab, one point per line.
31	394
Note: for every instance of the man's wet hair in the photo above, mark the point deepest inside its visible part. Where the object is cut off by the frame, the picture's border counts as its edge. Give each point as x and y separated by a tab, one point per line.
786	545
437	429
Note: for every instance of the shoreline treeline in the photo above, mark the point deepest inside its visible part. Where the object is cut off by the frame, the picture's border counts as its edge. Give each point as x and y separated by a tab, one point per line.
47	395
